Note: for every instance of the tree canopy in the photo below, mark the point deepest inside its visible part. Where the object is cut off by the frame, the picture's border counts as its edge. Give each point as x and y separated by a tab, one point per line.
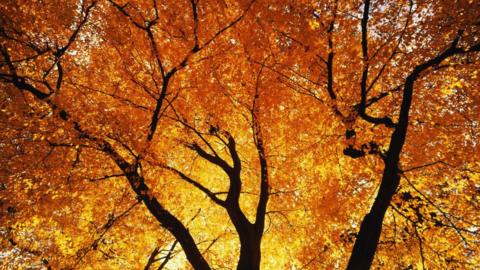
245	134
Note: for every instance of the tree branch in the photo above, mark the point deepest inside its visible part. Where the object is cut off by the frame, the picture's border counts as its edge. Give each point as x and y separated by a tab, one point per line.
196	184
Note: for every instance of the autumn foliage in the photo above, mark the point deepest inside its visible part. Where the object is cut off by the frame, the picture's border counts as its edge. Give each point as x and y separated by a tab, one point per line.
245	134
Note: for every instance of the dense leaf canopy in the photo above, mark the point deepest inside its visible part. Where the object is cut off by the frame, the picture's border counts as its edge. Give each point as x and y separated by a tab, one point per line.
239	134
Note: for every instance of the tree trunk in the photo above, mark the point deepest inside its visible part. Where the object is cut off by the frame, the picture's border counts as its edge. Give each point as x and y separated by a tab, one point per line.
365	246
250	253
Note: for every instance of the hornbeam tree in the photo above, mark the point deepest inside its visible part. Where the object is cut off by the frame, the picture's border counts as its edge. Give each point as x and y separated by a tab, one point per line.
245	134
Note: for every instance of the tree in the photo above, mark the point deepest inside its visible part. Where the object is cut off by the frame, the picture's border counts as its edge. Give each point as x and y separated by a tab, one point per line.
391	69
191	103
